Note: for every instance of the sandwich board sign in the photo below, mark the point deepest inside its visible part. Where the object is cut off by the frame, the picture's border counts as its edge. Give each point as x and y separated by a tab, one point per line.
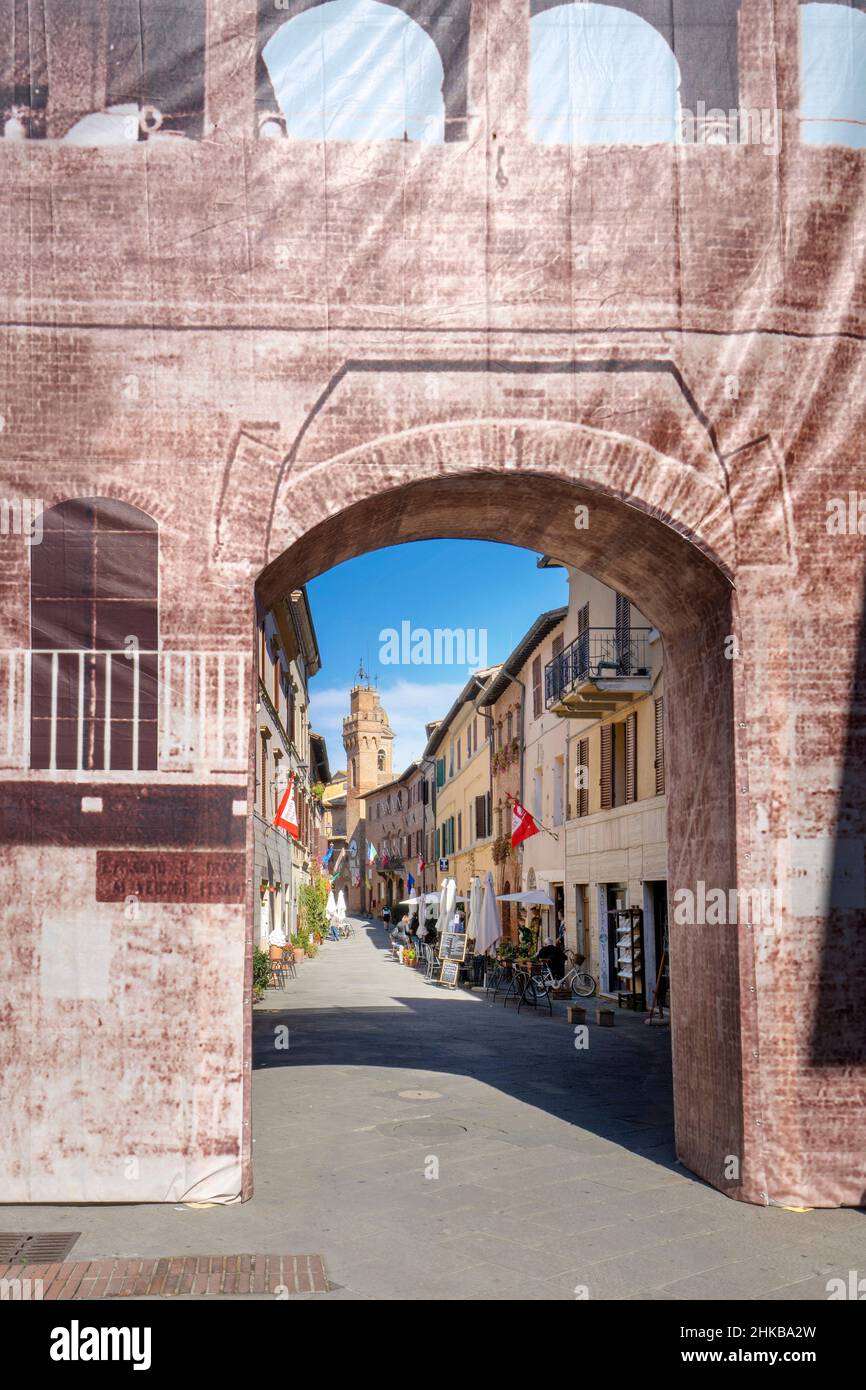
452	946
449	973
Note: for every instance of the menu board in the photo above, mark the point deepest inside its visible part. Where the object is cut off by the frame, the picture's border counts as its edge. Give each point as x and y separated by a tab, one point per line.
452	946
449	973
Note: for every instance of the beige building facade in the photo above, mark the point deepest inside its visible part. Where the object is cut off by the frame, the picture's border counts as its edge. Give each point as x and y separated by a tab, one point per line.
523	733
461	748
607	687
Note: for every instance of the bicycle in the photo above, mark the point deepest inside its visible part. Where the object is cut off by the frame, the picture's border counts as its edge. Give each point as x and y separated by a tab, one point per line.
580	982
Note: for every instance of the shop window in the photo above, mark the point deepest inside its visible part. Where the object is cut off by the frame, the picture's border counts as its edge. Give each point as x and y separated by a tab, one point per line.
833	74
94	634
363	70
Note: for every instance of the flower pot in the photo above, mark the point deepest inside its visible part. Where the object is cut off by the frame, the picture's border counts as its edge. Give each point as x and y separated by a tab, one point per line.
298	954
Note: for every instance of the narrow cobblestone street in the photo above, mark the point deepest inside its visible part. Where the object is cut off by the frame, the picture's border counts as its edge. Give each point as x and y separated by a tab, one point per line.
556	1166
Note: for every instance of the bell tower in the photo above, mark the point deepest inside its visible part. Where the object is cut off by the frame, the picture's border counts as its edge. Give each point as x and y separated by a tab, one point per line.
367	739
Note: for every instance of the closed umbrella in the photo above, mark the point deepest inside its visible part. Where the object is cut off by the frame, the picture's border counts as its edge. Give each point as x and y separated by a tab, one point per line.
473	914
489	929
447	899
331	906
341	907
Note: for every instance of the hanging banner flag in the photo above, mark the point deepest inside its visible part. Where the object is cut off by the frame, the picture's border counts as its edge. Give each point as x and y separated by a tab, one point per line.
372	855
340	857
421	866
328	856
410	884
287	811
522	825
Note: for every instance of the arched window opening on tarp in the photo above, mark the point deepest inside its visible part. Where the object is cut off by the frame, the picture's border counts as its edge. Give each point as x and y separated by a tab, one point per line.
355	70
600	75
155	65
833	75
94	634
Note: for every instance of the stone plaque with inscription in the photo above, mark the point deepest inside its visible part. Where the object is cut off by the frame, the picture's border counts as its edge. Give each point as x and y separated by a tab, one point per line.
212	877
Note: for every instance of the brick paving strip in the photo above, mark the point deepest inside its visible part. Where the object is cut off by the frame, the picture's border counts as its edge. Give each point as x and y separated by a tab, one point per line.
195	1274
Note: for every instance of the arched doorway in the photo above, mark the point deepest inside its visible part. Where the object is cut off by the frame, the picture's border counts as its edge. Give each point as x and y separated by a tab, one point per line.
679	573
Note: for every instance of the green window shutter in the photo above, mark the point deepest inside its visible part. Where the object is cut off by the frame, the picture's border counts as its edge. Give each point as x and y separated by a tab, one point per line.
440	772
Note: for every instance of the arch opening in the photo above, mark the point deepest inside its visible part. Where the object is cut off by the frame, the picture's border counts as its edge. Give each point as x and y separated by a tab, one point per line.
673	572
355	70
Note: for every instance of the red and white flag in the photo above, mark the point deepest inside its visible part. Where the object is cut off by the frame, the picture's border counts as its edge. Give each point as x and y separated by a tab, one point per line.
287	811
522	825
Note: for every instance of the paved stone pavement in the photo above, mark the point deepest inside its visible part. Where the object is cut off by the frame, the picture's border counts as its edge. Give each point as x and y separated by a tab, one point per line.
555	1166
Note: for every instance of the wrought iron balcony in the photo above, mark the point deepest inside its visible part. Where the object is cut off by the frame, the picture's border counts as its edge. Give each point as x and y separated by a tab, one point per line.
601	669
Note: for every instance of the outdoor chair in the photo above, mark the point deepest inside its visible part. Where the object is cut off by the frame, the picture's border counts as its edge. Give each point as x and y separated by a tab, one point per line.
282	970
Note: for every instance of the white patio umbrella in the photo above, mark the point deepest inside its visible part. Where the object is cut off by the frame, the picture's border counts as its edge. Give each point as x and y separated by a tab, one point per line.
473	914
341	907
331	906
533	897
447	899
489	927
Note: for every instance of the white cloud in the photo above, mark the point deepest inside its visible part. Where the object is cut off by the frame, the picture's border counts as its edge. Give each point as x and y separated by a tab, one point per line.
409	706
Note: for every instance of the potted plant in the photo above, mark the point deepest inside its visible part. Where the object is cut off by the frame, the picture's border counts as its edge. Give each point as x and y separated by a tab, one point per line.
300	942
409	957
261	972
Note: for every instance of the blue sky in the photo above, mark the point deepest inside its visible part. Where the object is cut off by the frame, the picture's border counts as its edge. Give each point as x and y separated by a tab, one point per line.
491	592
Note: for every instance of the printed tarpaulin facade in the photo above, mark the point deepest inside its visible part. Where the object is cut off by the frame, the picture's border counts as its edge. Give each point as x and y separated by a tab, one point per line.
286	283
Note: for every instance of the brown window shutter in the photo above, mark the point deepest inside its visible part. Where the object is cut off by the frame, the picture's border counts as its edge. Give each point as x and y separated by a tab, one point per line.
631	757
660	745
557	646
623	624
606	766
583	620
536	688
583	793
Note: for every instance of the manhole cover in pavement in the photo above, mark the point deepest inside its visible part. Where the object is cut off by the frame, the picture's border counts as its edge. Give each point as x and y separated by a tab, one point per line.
36	1247
420	1095
423	1129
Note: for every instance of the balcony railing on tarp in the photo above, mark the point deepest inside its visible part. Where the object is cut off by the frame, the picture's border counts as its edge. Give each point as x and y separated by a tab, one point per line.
111	711
599	653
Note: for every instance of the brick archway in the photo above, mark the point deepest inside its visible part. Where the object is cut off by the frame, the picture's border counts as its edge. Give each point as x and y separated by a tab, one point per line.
662	533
